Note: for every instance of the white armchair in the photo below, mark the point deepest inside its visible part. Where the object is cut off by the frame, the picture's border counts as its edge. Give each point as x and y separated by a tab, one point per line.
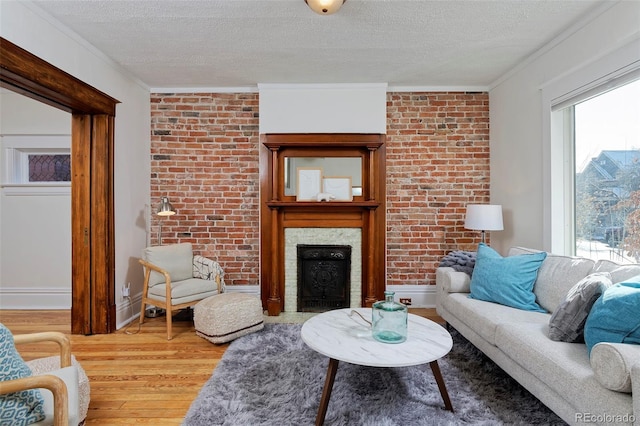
51	398
175	279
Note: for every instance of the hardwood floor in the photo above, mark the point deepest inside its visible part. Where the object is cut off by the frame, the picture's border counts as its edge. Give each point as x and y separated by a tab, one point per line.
135	377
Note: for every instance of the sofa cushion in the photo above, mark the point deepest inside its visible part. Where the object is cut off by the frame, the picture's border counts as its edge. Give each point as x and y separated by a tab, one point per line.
506	280
619	273
485	317
557	275
612	362
614	317
176	259
24	407
567	322
564	367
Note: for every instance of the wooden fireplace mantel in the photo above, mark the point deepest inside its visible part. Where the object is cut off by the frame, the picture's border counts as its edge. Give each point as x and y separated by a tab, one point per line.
279	211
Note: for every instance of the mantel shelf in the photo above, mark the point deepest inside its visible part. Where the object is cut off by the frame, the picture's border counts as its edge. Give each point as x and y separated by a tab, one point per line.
323	204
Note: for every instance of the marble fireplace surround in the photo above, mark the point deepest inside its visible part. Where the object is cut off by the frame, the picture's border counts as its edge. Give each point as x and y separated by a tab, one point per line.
343	236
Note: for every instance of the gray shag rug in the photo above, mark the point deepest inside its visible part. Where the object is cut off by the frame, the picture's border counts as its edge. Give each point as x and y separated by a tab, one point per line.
272	378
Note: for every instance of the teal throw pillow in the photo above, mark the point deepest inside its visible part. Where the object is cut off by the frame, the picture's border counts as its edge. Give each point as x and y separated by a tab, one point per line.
506	280
615	317
18	408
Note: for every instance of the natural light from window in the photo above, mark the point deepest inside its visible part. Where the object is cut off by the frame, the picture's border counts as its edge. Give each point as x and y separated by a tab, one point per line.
607	175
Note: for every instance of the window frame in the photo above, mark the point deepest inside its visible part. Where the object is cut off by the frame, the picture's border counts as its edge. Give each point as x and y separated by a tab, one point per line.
603	74
15	152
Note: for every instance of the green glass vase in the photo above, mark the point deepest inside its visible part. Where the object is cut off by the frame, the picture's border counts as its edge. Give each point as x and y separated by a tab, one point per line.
389	320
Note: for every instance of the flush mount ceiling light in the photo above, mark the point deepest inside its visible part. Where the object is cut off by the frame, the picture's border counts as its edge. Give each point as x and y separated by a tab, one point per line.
325	7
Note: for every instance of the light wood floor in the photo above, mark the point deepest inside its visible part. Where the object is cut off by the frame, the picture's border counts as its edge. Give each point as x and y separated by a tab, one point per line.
137	378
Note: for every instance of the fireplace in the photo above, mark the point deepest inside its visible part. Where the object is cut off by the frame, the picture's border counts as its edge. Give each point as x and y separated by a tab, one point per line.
285	217
294	237
323	277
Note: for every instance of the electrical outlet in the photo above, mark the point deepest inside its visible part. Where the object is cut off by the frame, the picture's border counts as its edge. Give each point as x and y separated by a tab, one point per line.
125	290
405	300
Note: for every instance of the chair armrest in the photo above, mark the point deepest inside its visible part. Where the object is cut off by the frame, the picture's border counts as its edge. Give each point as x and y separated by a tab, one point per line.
153	267
49	336
48	381
207	269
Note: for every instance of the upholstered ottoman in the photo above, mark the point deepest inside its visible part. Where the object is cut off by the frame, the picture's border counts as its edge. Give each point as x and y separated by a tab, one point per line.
227	316
45	365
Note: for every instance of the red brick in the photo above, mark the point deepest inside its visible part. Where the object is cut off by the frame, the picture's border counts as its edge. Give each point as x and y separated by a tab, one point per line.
437	162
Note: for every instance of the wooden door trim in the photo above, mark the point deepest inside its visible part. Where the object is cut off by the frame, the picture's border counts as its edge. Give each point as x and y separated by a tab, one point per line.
92	142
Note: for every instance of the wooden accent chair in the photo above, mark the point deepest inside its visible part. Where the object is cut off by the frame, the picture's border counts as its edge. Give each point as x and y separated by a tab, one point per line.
175	279
59	390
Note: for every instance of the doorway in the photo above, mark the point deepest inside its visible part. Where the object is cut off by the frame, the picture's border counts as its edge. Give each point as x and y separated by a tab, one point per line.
92	141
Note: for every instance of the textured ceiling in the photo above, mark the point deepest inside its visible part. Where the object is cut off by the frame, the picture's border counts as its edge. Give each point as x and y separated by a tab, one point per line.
240	43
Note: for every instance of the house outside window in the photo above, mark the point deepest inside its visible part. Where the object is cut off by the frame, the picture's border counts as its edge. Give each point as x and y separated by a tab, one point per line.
607	181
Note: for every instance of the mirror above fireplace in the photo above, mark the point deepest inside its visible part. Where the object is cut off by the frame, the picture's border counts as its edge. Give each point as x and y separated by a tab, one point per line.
330	166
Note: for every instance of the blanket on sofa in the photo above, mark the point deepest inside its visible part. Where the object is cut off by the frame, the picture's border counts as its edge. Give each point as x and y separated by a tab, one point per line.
460	260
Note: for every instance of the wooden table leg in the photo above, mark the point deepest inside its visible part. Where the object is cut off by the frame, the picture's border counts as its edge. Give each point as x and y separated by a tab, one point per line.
326	392
435	368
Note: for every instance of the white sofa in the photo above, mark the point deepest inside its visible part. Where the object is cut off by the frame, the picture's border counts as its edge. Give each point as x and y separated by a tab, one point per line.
559	374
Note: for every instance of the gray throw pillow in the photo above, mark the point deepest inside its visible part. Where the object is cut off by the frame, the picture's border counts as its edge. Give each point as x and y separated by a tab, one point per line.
567	322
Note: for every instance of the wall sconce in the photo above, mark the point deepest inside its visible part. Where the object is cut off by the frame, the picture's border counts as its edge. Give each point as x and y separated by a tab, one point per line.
325	7
165	209
484	217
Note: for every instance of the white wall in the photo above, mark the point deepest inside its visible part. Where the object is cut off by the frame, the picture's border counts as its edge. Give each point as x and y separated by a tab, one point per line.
27	26
323	108
520	134
35	228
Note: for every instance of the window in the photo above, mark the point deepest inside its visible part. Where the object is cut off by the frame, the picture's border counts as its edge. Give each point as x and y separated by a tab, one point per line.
49	167
36	165
605	141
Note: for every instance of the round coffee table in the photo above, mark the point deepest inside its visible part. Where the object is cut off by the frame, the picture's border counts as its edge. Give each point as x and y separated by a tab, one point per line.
345	335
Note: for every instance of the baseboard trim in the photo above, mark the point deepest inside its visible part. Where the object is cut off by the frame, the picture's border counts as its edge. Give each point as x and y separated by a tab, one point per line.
249	289
125	315
49	298
422	296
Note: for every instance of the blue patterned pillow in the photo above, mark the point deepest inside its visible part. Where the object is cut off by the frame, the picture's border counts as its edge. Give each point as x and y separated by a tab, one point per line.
18	408
506	280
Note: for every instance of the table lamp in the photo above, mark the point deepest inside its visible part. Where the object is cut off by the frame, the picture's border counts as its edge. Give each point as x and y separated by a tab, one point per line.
484	217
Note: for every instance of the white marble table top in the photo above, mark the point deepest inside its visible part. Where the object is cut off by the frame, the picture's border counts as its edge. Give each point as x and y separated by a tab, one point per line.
345	337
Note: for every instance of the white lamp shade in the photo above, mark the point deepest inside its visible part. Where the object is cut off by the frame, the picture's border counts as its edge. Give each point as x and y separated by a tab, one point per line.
325	7
484	217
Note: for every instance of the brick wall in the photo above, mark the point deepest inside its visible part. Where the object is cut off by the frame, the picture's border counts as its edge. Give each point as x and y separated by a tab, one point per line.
204	157
437	163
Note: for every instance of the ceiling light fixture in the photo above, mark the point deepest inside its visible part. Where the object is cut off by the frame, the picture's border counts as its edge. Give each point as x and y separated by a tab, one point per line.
325	7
